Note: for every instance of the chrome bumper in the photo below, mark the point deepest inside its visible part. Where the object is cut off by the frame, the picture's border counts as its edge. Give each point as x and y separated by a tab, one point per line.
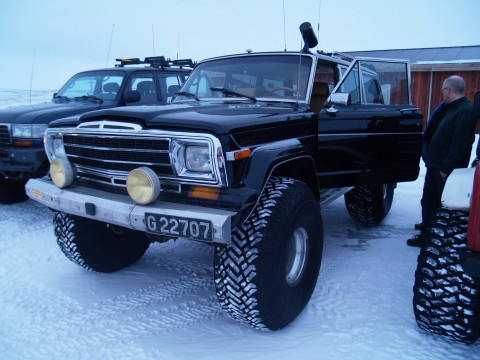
120	209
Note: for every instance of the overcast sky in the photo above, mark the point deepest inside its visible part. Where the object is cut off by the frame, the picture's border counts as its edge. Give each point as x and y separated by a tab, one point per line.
45	42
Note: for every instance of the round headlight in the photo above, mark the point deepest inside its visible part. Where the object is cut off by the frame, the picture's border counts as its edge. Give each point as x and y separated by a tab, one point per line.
62	172
143	185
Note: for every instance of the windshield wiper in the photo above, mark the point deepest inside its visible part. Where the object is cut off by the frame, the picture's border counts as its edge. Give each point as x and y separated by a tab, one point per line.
188	94
228	92
88	97
66	98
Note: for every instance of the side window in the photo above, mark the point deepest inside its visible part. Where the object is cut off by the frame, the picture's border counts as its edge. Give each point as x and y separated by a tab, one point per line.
386	82
170	84
144	84
323	84
111	86
351	85
377	82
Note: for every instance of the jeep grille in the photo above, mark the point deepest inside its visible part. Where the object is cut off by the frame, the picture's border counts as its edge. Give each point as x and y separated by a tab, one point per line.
108	158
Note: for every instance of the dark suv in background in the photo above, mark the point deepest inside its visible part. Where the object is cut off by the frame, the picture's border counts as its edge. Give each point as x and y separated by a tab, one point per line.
153	80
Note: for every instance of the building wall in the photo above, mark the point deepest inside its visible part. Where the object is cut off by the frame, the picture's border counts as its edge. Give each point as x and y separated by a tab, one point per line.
427	86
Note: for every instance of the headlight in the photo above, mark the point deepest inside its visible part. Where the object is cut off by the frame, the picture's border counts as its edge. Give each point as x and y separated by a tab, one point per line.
197	158
193	159
35	131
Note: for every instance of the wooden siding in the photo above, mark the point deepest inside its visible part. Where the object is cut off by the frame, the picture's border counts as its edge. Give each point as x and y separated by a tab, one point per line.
421	81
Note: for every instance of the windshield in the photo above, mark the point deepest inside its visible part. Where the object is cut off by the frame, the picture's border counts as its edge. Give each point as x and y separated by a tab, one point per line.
100	84
250	78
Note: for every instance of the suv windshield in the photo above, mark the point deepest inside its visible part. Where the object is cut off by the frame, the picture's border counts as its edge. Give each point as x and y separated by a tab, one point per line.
272	77
102	85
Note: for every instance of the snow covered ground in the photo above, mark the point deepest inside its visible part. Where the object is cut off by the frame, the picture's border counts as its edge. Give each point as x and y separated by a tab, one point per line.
165	307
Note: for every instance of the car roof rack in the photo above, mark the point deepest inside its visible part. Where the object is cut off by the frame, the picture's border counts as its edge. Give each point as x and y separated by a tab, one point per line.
156	61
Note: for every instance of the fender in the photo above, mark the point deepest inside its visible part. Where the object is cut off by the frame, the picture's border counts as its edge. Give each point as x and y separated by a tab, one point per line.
280	159
460	193
457	193
274	158
473	232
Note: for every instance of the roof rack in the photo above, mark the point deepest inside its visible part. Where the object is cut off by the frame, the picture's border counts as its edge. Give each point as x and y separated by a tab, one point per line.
156	61
338	54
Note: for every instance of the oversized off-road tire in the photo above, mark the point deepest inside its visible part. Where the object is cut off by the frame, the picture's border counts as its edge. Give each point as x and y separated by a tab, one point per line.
266	276
446	301
369	204
98	246
12	191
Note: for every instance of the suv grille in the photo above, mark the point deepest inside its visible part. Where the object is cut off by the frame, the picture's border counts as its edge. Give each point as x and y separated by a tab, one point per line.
108	158
5	135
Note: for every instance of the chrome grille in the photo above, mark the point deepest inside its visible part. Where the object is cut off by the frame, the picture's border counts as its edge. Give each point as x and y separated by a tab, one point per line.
109	158
5	135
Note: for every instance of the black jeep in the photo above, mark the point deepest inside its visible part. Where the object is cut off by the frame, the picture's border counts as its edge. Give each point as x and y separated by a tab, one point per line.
243	158
22	155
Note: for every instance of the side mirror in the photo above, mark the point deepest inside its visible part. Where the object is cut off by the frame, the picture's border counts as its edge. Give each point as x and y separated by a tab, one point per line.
340	99
132	96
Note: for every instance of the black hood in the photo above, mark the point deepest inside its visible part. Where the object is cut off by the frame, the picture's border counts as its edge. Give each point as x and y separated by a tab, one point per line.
218	118
45	113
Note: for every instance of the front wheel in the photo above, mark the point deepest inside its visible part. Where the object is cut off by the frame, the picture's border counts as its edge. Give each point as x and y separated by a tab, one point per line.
446	301
266	276
98	246
370	204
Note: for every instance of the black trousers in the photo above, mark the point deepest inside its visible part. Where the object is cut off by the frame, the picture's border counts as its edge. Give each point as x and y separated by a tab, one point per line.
432	195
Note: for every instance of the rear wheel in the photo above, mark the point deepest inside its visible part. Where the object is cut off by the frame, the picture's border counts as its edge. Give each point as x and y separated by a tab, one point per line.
266	276
370	204
446	301
98	246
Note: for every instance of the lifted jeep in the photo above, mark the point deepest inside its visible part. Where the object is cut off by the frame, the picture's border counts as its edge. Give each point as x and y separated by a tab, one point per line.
22	155
242	159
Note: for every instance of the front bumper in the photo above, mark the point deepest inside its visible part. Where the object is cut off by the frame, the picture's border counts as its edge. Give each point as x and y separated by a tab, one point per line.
121	210
23	162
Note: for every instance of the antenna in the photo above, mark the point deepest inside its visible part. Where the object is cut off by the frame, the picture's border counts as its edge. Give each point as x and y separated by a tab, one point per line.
110	45
153	40
155	68
318	24
284	34
178	42
31	79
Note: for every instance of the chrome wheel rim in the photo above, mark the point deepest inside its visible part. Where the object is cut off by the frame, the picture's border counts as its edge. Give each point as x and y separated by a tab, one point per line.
297	256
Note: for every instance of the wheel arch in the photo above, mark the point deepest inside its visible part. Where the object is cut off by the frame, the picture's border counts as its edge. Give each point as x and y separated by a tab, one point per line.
299	166
307	175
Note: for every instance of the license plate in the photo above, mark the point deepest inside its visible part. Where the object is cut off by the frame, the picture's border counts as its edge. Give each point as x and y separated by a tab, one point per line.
179	226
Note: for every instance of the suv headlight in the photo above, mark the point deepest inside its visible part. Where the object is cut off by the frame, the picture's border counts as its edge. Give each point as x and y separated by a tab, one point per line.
35	131
197	158
193	159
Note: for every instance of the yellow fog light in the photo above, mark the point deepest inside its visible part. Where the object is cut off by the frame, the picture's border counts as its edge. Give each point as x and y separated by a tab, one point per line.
62	172
143	185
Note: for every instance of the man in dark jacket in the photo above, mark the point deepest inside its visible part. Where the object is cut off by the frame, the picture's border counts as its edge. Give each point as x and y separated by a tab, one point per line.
448	139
